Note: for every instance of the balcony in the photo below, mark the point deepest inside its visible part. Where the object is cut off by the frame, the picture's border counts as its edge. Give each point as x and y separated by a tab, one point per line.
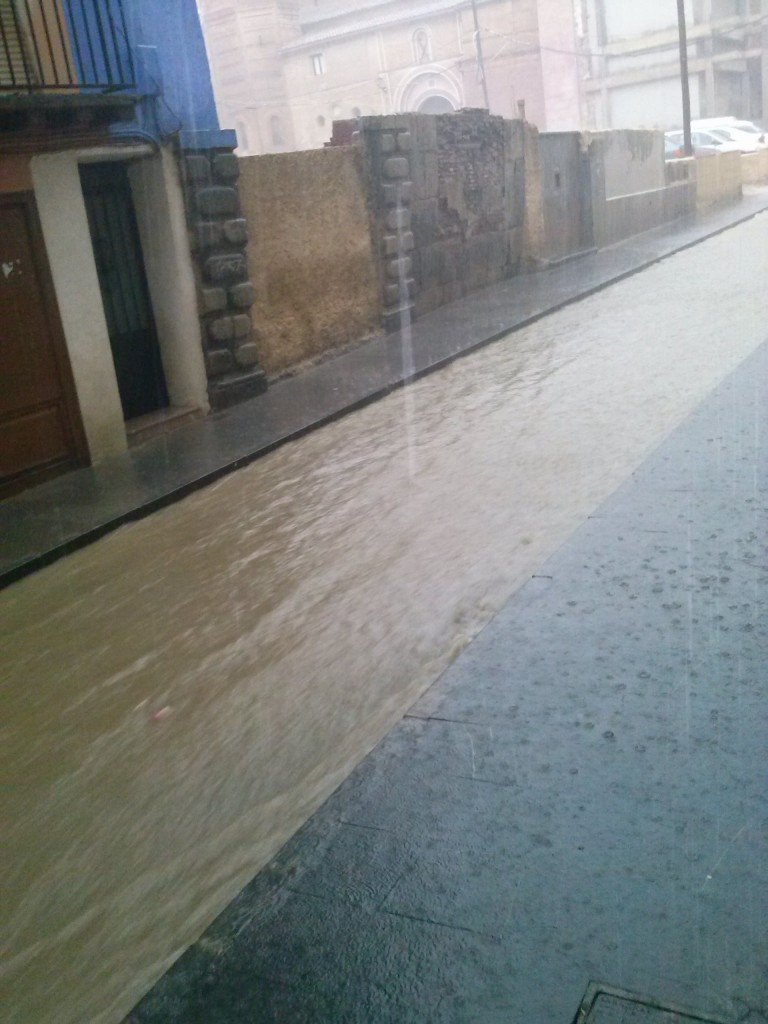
64	62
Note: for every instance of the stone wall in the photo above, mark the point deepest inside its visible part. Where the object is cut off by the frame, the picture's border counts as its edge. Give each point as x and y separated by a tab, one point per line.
310	256
418	212
565	195
629	191
477	238
388	144
534	226
630	215
598	188
218	237
448	197
680	169
632	160
718	179
754	167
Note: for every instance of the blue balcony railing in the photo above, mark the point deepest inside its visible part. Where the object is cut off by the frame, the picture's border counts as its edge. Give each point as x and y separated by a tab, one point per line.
64	46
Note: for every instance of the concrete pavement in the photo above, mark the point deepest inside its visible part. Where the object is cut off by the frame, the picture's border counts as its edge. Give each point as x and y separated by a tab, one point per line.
581	797
55	518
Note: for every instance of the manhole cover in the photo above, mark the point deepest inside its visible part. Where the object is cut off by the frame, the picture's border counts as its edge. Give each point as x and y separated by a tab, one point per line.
604	1005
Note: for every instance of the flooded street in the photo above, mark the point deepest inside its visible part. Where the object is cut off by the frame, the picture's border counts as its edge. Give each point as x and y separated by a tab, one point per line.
182	694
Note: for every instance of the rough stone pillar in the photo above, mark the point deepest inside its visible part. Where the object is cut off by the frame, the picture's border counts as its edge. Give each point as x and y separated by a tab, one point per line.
387	142
218	237
534	229
593	151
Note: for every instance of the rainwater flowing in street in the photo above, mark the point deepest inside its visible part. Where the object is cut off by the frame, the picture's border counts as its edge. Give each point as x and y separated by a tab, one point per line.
180	695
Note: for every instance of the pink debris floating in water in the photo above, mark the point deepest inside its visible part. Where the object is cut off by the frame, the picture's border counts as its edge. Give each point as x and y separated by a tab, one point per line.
162	713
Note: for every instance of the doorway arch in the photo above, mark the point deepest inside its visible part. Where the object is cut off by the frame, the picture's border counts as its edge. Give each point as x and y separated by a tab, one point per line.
436	104
429	90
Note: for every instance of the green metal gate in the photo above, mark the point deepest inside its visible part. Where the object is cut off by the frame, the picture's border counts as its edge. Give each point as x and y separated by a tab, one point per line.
123	282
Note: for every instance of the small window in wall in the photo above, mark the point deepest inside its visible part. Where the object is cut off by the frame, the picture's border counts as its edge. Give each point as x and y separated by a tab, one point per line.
318	64
276	130
320	121
422	47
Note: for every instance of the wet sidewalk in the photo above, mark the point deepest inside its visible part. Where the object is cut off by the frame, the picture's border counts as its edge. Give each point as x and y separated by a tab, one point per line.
55	518
580	798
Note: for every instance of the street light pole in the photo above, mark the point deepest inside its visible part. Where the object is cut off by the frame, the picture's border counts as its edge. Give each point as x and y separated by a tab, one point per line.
480	61
683	35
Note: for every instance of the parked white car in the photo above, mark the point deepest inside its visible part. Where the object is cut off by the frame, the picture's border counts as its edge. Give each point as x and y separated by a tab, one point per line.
703	143
750	128
747	142
731	124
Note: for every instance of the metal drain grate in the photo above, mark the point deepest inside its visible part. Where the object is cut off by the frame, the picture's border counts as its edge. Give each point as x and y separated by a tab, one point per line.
605	1005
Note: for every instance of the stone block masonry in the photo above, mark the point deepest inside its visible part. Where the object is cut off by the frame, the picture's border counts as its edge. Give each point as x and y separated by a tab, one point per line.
389	157
472	203
447	201
218	237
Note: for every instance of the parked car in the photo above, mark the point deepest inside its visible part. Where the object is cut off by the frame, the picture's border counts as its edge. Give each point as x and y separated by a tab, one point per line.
672	150
747	142
703	142
751	129
708	123
735	124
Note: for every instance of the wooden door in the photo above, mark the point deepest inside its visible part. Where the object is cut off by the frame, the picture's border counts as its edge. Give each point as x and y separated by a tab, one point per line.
40	428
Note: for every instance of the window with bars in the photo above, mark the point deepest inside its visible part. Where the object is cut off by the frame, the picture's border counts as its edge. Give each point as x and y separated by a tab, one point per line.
16	68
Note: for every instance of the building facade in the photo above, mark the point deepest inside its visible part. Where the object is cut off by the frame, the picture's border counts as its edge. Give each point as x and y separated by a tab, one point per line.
632	61
106	117
283	71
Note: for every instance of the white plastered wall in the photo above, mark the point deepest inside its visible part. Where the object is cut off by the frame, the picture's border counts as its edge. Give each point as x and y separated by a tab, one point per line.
159	205
160	213
61	207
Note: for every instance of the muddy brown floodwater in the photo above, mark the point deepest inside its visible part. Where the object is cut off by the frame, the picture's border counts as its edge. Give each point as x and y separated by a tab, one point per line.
180	695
